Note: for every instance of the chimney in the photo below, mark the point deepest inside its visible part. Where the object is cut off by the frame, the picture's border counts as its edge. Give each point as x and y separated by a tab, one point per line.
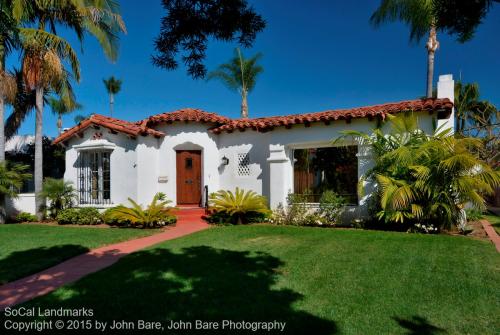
446	89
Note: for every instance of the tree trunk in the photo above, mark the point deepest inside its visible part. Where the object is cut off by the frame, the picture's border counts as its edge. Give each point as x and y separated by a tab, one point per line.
38	175
244	105
432	45
111	103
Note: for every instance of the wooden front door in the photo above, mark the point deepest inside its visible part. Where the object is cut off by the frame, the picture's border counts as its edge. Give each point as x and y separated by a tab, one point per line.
189	177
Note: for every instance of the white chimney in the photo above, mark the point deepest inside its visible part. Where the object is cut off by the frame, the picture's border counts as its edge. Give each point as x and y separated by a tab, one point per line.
446	89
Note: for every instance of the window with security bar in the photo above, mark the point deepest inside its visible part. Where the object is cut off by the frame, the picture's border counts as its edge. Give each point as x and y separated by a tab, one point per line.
94	178
243	164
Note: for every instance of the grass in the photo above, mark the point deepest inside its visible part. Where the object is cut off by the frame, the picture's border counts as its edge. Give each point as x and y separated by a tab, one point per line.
494	220
28	248
319	281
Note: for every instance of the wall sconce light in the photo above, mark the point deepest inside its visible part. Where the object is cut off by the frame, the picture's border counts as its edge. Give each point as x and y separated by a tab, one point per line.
225	160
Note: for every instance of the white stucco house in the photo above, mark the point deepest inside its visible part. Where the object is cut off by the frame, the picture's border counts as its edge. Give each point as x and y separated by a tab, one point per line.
186	152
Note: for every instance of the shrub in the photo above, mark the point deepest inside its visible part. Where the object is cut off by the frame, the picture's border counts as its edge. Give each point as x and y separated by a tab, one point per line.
25	217
157	213
88	216
331	207
240	206
80	216
296	213
61	195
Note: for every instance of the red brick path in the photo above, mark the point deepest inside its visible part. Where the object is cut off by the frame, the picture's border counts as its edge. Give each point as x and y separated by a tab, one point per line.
24	289
492	234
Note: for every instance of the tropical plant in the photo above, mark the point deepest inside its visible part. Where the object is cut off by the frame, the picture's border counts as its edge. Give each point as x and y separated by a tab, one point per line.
62	107
158	213
477	118
239	205
189	24
113	86
44	52
425	178
239	74
61	194
12	177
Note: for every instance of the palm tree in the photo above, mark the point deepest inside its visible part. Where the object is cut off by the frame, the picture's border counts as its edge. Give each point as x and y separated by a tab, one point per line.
12	177
61	107
466	100
113	86
8	41
239	74
44	52
421	17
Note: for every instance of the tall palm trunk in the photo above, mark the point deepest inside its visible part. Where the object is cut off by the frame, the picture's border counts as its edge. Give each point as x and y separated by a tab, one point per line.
38	175
111	103
432	45
244	104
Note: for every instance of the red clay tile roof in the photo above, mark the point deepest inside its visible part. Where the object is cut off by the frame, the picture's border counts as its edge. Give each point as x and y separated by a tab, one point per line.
222	123
187	114
268	123
126	127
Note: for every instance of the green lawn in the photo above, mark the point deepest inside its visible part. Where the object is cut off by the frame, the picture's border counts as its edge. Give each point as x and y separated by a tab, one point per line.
27	248
319	281
494	220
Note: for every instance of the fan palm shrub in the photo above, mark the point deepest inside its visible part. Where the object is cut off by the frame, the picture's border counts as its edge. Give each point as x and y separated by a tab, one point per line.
158	213
60	194
12	177
425	178
240	207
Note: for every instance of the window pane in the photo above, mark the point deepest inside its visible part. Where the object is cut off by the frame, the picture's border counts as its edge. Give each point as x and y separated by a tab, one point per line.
319	169
94	177
189	163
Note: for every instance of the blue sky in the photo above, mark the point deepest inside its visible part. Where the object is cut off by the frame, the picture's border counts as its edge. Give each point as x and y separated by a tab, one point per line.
318	55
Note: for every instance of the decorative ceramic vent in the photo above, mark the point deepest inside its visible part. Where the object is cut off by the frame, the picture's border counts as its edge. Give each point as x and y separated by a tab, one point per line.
243	164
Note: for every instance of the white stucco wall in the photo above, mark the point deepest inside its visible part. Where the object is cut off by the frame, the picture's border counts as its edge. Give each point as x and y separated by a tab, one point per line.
123	161
187	136
23	203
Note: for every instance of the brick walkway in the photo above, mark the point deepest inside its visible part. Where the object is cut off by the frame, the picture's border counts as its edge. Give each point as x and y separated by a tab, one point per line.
492	234
24	289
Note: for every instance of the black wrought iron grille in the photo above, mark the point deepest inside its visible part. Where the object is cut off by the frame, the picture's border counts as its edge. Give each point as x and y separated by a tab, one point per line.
94	178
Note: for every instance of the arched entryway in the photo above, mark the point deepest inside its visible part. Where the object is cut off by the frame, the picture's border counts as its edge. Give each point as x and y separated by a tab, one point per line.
189	176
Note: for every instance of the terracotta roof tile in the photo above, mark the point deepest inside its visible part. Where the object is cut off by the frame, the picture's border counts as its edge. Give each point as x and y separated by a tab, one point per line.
268	123
187	114
222	123
126	127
